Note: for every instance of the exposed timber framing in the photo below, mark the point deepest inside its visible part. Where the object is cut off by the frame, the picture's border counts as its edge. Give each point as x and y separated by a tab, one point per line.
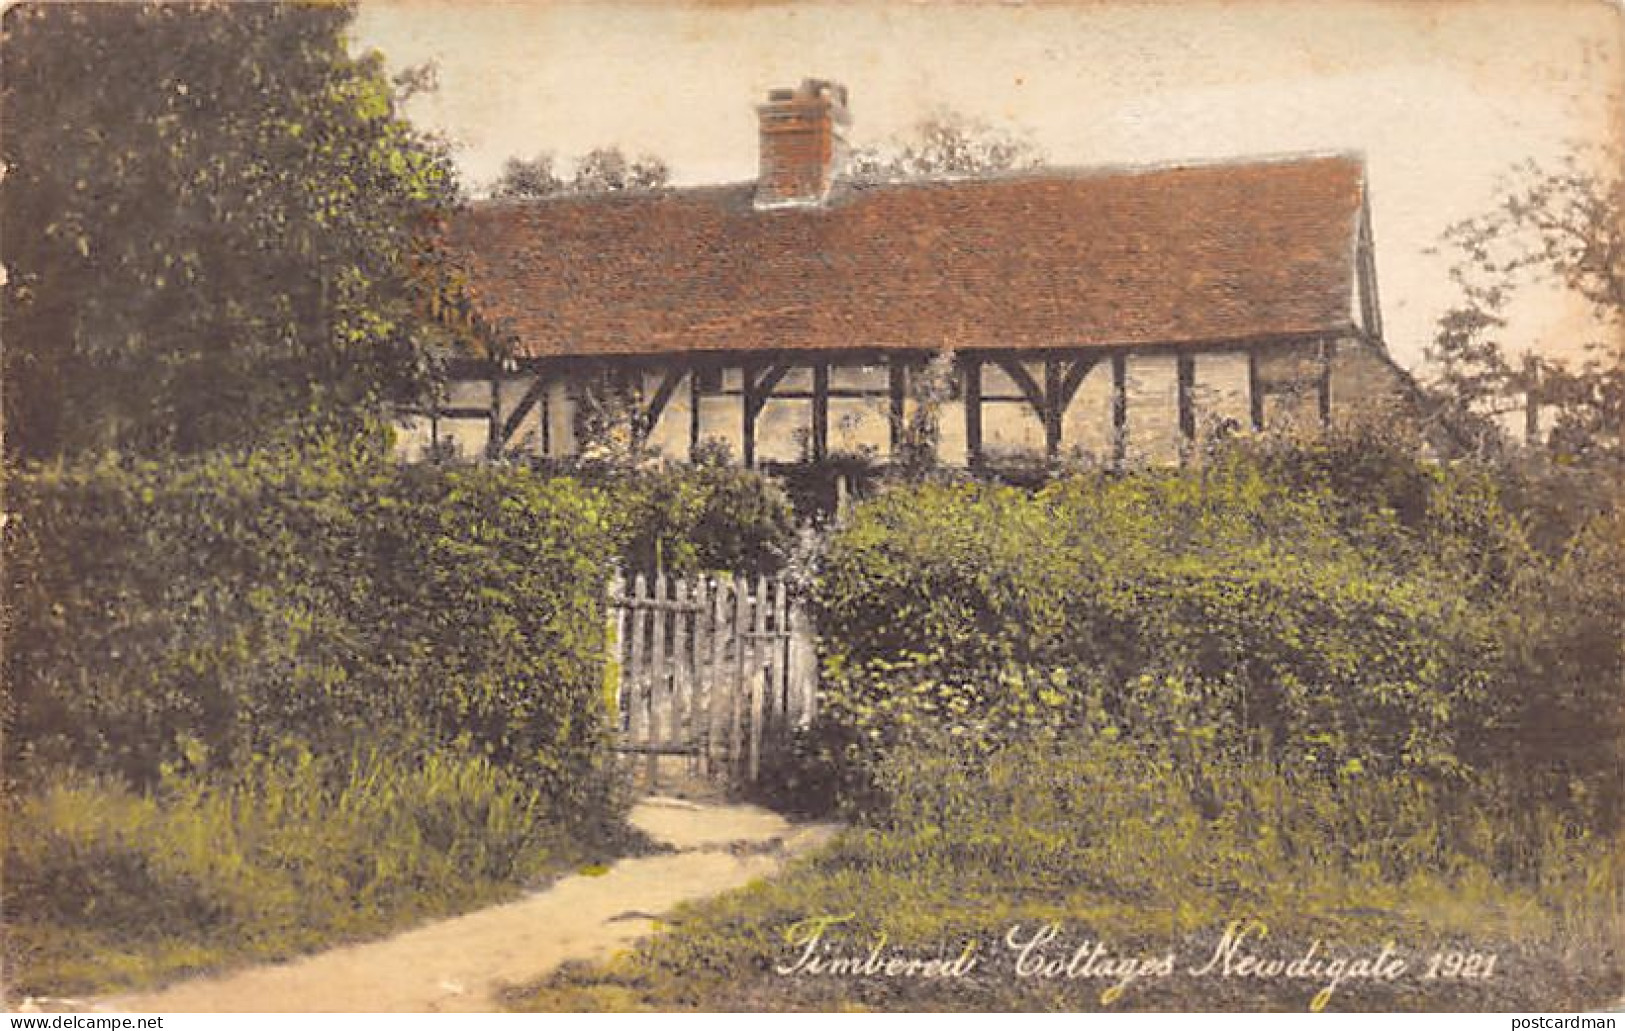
493	429
971	366
1186	364
1323	381
1044	381
1119	408
756	392
694	397
1062	378
1255	391
749	407
662	397
535	393
820	411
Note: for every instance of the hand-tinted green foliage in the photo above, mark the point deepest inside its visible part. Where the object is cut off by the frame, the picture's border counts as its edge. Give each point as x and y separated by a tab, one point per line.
202	611
216	227
684	519
1133	842
1337	611
107	888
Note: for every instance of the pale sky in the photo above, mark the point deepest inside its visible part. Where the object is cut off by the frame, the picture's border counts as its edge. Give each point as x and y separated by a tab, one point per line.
1442	97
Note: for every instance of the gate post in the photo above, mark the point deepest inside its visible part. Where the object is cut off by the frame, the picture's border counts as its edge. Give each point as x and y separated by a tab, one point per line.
614	670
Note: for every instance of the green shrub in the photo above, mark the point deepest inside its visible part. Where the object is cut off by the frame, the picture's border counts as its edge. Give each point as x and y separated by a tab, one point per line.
210	609
1256	606
687	519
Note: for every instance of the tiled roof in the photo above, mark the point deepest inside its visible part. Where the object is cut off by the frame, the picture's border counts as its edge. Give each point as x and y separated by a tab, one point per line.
1060	259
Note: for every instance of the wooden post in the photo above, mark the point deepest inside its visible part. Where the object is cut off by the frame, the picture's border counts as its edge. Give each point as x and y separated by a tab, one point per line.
774	713
1323	382
804	667
1255	390
741	629
820	411
636	725
493	431
757	693
682	659
694	397
781	654
545	417
747	375
1054	408
1187	399
719	694
658	694
1119	409
973	410
614	650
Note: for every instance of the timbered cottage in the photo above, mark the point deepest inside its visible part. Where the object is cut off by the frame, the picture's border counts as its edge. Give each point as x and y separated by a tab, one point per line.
1115	315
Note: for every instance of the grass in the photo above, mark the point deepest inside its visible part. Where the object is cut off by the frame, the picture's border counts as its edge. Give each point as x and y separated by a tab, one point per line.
109	889
1108	844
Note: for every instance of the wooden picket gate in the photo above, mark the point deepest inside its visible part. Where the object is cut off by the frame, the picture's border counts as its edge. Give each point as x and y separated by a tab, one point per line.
719	669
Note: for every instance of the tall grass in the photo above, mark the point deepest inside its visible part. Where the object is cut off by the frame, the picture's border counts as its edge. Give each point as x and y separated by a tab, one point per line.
1131	843
108	887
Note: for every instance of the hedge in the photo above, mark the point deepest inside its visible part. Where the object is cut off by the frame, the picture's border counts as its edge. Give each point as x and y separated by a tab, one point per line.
187	614
1232	606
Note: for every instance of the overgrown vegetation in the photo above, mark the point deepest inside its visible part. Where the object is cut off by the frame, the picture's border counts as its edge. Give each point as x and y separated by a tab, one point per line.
1339	601
1126	844
419	649
108	887
218	229
1357	696
709	517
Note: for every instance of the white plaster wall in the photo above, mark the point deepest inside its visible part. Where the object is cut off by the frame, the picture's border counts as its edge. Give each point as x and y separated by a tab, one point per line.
561	409
1153	410
669	435
1011	429
1221	391
412	438
859	425
783	430
722	418
1086	426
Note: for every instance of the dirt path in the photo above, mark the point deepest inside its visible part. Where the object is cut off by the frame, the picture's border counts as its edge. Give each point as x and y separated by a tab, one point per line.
462	964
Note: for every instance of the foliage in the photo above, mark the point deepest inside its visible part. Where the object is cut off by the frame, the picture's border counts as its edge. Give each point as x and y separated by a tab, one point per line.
1126	841
931	387
217	228
1561	223
601	170
943	146
1328	613
201	611
685	519
108	888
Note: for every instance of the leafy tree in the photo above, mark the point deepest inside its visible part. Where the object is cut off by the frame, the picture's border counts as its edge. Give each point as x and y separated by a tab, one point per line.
529	177
601	170
941	147
1561	223
607	170
217	229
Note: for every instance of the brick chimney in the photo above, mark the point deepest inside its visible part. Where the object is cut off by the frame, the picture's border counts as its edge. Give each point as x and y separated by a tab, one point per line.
802	145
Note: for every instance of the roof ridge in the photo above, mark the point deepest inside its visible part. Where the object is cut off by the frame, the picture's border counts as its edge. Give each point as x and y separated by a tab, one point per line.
1036	173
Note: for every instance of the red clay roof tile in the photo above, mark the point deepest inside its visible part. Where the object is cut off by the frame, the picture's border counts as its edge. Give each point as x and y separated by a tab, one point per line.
1059	259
